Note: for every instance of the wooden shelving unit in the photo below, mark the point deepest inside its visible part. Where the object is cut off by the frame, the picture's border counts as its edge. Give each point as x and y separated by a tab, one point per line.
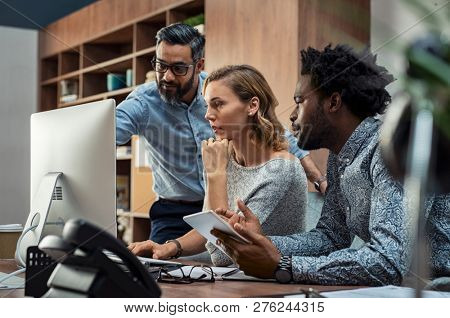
141	194
129	46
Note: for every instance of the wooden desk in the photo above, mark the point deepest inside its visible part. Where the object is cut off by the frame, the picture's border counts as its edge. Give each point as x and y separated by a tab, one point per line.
9	266
219	289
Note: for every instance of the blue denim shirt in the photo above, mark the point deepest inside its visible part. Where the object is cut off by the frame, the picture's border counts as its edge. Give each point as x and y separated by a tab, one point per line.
362	199
174	135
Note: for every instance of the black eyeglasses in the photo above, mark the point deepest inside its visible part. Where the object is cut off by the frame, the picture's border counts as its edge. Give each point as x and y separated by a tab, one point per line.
177	69
177	276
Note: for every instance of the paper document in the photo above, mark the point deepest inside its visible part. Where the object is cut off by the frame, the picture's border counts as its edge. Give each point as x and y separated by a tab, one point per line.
12	282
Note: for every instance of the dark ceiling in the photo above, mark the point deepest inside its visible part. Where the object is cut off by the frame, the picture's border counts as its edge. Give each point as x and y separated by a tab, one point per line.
34	14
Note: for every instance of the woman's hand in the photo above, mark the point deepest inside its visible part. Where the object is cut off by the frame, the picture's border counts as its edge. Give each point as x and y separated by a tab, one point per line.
153	250
215	155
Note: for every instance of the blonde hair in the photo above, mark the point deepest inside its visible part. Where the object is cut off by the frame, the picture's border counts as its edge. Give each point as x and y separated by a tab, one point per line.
247	82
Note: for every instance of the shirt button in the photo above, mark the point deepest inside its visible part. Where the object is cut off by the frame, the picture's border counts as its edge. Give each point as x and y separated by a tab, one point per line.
342	175
348	209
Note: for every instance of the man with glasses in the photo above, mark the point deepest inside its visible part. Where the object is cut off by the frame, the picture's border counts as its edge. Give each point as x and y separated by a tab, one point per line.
170	114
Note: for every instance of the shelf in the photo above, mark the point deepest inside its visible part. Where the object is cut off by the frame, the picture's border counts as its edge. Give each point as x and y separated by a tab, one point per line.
82	101
124	157
62	77
110	65
149	50
95	81
50	81
147	29
182	12
121	91
100	96
140	215
123	213
108	47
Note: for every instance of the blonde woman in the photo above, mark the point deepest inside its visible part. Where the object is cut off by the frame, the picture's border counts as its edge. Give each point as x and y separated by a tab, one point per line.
248	160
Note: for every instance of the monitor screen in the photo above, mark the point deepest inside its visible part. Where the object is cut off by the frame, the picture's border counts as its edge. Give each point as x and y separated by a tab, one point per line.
73	170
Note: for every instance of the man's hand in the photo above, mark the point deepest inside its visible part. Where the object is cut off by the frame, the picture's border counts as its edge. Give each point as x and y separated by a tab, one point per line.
259	258
247	219
154	250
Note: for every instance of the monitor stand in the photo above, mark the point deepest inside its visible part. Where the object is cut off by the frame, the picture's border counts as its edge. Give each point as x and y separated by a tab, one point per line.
32	232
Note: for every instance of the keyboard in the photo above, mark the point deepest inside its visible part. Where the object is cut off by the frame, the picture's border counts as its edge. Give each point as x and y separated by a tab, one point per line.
149	263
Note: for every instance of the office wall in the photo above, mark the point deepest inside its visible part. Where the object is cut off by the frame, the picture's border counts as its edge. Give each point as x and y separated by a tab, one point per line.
18	100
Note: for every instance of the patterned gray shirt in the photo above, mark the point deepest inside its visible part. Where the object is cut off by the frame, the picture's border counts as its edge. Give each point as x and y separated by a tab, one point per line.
362	199
276	191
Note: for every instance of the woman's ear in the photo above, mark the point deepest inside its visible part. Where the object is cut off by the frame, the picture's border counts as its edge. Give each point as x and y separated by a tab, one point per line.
253	106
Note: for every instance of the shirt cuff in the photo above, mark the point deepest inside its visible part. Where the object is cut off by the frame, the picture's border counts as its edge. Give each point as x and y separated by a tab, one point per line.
302	266
293	146
300	153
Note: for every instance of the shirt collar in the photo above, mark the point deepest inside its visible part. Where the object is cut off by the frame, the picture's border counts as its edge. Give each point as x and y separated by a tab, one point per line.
198	96
367	128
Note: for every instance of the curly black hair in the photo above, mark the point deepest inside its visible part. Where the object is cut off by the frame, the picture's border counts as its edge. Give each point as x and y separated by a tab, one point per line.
356	76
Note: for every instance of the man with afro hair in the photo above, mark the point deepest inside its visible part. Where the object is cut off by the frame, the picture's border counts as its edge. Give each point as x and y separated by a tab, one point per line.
338	97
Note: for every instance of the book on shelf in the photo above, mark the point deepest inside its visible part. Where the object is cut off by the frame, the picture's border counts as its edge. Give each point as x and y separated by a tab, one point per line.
68	98
69	90
123	192
123	151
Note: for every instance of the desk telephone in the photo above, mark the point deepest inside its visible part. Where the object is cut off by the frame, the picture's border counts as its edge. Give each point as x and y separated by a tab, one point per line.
83	269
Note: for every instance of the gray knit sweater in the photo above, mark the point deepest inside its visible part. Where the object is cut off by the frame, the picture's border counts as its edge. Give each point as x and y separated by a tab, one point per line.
276	192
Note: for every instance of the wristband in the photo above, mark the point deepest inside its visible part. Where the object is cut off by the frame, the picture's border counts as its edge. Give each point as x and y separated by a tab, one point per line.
179	248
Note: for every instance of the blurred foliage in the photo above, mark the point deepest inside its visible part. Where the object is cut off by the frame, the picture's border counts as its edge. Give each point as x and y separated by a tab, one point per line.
428	76
195	20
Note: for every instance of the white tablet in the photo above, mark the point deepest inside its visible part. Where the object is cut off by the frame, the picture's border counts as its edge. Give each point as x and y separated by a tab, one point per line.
204	222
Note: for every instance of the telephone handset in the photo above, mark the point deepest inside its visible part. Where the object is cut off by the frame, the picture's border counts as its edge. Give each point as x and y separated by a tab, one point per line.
85	271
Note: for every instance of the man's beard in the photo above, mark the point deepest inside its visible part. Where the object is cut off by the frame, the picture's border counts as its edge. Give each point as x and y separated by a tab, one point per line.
175	98
317	134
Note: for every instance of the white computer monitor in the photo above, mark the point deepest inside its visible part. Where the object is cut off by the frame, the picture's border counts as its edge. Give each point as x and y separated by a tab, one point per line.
73	170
